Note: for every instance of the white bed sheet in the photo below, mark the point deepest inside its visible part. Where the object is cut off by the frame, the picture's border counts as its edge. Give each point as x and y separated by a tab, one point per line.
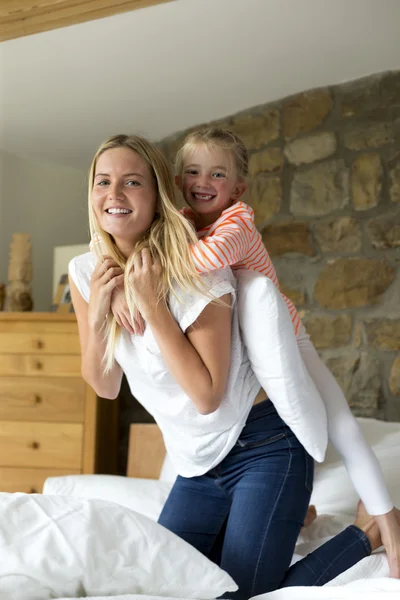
336	503
127	597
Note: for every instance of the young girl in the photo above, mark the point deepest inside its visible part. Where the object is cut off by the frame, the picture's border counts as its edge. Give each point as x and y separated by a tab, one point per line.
212	167
244	479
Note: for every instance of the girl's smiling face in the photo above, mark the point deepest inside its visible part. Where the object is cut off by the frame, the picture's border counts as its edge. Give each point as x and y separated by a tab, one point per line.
209	183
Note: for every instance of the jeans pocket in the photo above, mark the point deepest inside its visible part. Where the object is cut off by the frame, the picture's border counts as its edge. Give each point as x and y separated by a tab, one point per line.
309	472
250	442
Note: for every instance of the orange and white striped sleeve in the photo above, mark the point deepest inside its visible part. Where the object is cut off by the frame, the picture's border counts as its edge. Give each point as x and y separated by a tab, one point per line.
228	244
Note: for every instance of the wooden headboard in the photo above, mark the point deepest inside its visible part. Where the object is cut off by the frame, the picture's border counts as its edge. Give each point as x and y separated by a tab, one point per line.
146	451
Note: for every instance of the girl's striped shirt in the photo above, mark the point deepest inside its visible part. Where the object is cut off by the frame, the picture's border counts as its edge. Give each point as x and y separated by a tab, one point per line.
233	240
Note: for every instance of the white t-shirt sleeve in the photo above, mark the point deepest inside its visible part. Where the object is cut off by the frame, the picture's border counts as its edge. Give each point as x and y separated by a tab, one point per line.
81	269
189	305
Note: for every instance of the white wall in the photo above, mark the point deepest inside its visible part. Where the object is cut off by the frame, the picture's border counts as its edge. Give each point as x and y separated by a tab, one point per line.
47	201
254	52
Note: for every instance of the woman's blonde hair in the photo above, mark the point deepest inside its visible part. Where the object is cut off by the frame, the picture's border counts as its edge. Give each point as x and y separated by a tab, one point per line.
215	137
168	236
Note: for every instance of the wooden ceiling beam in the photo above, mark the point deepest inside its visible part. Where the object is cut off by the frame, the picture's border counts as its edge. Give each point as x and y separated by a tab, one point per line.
25	17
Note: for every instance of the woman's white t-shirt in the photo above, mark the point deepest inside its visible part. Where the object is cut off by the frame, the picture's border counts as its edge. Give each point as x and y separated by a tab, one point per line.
195	443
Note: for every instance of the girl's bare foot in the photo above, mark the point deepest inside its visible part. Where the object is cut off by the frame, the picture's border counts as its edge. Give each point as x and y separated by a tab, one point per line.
311	515
367	524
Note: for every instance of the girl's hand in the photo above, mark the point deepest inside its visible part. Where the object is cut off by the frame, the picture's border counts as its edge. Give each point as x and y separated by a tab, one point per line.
120	310
97	247
146	277
107	275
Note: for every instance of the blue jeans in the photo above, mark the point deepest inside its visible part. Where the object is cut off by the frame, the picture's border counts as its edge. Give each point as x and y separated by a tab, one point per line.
246	513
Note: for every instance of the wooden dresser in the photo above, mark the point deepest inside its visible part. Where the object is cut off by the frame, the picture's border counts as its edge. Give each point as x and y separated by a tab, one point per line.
51	422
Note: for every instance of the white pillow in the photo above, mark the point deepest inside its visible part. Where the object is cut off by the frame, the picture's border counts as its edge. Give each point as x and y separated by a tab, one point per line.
145	496
55	546
267	332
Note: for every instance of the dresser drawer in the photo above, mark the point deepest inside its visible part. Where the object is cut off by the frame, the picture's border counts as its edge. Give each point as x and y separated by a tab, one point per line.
39	343
42	399
36	327
29	481
36	365
24	444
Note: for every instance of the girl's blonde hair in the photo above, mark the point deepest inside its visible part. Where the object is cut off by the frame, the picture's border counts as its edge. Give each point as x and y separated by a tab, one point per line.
215	137
168	236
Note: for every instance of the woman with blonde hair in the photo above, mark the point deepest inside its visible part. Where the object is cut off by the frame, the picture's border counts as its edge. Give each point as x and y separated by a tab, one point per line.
244	480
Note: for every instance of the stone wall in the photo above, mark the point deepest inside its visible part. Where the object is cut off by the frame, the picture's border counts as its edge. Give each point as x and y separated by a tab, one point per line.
325	186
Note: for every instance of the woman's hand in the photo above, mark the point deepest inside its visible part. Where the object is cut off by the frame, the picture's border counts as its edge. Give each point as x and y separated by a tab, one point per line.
389	527
107	275
146	277
120	310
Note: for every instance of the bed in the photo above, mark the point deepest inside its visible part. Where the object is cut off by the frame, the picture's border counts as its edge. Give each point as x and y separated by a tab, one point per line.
107	506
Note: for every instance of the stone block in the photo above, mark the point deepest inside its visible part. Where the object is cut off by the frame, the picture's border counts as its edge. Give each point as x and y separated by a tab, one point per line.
394	379
358	375
309	149
353	282
320	189
257	129
383	333
304	112
269	160
265	197
288	237
341	234
366	181
384	231
368	135
329	332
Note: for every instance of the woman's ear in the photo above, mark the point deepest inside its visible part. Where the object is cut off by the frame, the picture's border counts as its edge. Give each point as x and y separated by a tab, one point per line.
239	190
178	182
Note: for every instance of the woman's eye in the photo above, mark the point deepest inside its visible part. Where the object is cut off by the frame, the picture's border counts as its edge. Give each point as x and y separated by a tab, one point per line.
132	183
102	183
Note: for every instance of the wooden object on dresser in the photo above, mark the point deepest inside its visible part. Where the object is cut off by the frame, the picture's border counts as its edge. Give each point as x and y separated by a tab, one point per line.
19	289
51	422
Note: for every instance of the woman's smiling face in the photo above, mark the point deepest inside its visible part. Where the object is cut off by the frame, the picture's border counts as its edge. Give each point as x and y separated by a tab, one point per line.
124	196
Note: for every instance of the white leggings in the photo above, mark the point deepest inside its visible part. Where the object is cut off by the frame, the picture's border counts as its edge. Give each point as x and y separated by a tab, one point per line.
345	433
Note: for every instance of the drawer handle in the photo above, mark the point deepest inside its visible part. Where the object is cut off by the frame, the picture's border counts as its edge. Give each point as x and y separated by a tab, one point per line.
38	365
38	344
35	445
38	399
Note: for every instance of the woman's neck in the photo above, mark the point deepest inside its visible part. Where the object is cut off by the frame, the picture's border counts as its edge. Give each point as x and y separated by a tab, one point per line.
126	247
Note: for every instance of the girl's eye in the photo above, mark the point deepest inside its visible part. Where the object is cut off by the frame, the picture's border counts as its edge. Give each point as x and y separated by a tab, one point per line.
191	172
218	175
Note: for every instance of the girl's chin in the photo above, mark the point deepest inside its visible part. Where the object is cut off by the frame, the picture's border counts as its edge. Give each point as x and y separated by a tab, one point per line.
204	208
